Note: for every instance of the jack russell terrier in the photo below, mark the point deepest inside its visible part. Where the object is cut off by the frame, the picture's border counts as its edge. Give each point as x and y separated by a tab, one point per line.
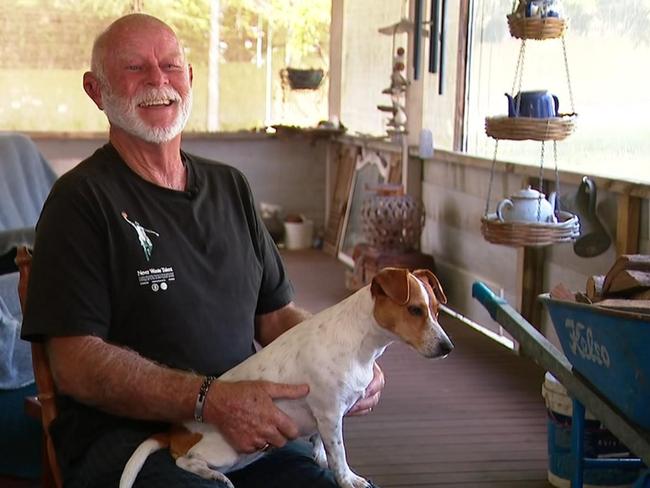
333	352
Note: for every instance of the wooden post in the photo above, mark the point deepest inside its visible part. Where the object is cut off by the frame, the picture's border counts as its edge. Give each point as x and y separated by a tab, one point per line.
627	224
530	271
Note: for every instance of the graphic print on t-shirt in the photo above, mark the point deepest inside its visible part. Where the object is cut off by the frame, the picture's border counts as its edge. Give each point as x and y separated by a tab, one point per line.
145	242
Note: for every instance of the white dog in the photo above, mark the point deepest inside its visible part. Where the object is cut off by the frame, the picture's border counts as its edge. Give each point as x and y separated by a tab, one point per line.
334	352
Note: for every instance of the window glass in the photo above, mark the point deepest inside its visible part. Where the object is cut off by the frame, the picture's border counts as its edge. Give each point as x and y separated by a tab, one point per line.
367	63
608	45
238	74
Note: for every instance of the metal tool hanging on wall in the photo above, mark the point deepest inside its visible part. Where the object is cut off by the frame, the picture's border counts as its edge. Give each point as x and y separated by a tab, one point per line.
437	39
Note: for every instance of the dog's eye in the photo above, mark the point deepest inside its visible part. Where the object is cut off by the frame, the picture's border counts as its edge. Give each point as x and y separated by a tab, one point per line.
415	311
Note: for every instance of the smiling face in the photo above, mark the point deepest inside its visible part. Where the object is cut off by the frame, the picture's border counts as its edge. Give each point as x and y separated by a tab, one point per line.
140	79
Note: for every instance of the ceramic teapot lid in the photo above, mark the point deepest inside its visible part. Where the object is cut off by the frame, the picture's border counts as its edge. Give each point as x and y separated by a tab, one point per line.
528	193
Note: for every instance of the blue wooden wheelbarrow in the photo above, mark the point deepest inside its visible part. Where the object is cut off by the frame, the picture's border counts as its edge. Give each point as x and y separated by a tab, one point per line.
605	367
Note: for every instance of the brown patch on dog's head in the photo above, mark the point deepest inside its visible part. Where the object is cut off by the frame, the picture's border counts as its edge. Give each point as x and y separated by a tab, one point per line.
432	284
391	283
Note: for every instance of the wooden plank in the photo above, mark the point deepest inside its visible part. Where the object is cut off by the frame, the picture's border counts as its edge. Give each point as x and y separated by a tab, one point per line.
627	224
346	159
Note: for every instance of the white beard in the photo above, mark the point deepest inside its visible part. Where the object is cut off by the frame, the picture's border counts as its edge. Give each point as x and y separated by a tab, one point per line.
122	112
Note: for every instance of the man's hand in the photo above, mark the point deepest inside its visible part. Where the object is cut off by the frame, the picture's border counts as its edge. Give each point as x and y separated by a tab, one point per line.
371	395
245	413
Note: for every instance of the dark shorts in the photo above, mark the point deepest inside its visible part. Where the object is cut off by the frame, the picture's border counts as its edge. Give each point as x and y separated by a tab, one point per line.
289	467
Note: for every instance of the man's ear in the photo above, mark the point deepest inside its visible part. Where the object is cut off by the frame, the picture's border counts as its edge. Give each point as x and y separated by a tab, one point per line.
191	73
92	88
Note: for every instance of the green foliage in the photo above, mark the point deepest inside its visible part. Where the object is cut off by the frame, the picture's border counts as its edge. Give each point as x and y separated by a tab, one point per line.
300	26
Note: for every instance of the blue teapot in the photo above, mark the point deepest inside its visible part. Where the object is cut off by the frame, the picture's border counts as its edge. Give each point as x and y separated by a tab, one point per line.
538	104
543	8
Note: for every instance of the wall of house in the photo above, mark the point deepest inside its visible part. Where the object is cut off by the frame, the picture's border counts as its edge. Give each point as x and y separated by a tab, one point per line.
285	171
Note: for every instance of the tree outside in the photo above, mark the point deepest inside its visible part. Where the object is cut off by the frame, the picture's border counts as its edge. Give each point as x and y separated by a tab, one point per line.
46	45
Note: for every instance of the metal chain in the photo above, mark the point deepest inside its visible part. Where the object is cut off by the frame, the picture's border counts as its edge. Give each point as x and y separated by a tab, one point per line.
494	162
541	182
568	76
557	180
519	74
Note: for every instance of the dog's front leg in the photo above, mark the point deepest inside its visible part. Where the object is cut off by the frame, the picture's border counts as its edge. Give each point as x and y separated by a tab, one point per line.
331	433
318	450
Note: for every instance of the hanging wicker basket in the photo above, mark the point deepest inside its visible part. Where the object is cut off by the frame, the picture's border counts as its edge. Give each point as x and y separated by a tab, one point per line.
530	128
536	28
533	234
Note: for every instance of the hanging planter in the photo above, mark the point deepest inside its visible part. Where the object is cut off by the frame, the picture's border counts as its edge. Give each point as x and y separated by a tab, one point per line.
536	28
303	79
529	128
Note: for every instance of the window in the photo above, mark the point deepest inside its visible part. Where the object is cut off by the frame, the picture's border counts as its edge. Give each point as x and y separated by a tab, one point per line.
238	50
608	45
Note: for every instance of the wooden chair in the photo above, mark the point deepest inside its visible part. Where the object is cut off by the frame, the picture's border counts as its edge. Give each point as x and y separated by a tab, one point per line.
44	405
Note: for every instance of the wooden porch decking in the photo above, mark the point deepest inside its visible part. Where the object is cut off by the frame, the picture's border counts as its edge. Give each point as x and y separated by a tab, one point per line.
473	419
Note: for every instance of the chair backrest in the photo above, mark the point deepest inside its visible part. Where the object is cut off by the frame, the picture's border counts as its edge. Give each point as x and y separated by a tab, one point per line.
25	181
42	373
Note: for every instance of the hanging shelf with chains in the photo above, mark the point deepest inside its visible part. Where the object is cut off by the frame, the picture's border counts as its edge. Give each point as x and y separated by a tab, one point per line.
563	226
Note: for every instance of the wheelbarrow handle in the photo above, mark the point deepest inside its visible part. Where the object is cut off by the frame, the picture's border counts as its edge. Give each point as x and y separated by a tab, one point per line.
488	299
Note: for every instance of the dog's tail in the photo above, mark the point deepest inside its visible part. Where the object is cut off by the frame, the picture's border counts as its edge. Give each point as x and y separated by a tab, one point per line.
140	455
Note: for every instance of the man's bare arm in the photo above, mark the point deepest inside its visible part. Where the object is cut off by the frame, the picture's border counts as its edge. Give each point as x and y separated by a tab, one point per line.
270	326
120	381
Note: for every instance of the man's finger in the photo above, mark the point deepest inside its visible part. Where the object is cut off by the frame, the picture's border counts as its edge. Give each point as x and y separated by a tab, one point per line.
284	390
285	425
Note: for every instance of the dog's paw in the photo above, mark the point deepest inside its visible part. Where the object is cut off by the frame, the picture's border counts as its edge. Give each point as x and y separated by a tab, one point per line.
355	481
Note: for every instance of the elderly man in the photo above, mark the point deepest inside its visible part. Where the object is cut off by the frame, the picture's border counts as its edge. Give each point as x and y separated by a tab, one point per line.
152	271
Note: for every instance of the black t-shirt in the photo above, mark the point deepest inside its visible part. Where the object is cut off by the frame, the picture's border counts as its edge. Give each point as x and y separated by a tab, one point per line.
177	276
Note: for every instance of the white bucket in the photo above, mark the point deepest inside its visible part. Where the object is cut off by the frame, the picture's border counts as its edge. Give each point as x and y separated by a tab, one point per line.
299	235
598	441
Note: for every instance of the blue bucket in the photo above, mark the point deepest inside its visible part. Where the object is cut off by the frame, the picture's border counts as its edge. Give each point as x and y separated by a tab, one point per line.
610	349
599	443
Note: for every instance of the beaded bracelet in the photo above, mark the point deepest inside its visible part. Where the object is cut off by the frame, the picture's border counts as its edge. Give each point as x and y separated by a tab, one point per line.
200	399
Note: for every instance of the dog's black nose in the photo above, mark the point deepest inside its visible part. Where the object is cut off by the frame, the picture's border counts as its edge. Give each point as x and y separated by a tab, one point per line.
446	347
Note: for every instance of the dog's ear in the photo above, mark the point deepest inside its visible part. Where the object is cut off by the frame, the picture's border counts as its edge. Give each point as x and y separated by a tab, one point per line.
393	283
428	277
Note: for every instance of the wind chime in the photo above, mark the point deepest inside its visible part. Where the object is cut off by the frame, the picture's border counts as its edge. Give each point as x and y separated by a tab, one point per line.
528	218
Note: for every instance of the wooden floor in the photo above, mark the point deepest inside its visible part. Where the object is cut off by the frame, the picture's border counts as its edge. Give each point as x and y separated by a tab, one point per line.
473	419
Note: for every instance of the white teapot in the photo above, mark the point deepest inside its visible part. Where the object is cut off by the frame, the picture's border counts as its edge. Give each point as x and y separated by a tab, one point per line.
527	205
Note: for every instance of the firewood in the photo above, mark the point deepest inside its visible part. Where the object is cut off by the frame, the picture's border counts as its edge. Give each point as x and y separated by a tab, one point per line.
637	262
641	295
594	288
561	292
628	281
636	306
